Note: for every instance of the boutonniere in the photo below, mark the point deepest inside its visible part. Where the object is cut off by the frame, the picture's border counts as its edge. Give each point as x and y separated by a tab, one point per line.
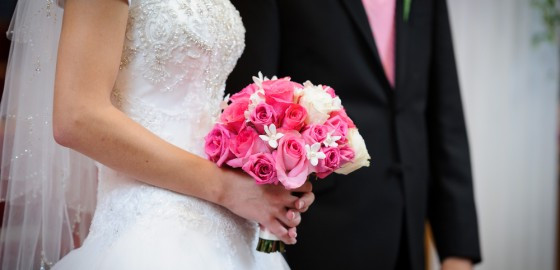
406	9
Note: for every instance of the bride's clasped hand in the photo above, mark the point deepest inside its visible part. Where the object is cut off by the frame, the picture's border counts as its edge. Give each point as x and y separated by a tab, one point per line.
273	206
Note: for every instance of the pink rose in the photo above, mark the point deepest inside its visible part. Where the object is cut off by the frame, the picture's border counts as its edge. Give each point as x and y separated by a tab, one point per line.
329	90
263	115
261	167
294	118
234	115
346	154
244	94
216	144
315	134
330	163
280	94
342	114
339	125
245	144
291	161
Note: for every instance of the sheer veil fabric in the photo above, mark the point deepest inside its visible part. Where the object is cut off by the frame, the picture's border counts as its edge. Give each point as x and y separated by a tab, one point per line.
49	191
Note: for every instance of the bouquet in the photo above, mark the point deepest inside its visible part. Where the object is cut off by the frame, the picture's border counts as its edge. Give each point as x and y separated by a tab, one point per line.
280	132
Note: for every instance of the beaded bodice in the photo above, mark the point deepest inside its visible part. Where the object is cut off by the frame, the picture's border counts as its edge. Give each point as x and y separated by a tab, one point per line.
176	58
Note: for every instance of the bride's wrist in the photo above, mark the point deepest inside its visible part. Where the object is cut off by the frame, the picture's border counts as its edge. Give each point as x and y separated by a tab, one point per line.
203	179
220	194
231	182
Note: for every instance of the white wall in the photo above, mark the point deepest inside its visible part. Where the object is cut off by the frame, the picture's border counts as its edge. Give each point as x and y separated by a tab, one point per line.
510	92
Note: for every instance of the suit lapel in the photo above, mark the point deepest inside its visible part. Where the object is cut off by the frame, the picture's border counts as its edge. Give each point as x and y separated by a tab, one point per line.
358	14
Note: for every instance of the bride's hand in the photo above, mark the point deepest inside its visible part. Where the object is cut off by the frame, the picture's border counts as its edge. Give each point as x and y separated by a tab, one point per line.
272	206
306	197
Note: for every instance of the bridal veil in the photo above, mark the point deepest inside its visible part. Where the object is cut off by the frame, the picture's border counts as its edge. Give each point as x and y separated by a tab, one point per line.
49	191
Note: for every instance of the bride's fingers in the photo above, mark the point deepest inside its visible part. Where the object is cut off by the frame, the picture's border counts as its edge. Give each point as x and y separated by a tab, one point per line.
303	203
289	200
276	228
290	218
292	232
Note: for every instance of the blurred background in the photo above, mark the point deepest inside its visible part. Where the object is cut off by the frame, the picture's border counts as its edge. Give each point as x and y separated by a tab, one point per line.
508	59
507	56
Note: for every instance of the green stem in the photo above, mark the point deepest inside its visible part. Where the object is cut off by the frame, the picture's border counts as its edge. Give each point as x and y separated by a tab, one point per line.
270	246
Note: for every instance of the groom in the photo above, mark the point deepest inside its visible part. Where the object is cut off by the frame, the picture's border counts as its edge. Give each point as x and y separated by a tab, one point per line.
392	64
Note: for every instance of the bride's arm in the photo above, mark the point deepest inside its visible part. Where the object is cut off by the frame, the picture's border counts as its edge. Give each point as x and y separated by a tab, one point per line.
85	120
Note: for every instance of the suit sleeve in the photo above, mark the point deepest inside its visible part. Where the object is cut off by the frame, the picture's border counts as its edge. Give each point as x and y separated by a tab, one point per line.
451	211
262	42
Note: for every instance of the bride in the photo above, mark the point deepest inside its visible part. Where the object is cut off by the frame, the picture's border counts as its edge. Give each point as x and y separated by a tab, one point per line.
135	87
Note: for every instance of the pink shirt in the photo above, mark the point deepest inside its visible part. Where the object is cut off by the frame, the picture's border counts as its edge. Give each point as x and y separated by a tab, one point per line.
381	16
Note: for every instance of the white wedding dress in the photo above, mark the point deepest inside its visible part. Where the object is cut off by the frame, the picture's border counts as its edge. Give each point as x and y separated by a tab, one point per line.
176	58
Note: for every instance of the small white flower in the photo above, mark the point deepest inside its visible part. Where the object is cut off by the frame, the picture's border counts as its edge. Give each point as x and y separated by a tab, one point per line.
330	141
313	153
259	80
256	99
225	102
271	136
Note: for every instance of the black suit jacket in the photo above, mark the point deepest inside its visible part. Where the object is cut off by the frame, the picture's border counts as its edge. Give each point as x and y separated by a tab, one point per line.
415	133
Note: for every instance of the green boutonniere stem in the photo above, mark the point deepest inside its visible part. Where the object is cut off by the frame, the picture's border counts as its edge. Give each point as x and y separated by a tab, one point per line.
406	9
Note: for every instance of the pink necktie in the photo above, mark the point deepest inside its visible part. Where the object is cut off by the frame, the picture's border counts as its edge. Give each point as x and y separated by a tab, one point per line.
381	16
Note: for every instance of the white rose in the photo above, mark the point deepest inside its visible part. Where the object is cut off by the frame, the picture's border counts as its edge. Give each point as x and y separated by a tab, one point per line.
318	103
361	155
